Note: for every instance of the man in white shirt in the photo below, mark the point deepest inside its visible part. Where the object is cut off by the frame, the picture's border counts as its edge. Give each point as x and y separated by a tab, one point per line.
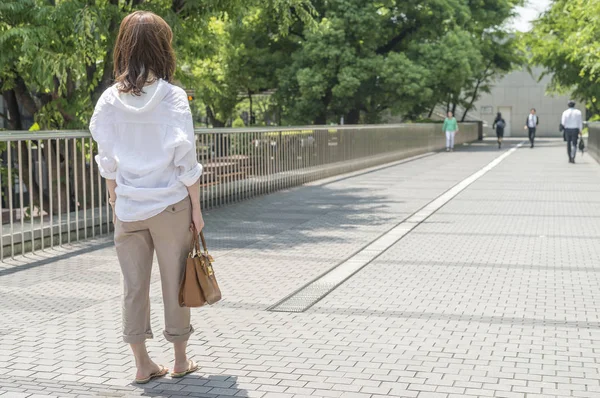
531	125
572	123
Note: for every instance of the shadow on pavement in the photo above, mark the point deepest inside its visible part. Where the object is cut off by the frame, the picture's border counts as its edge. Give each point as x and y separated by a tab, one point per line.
274	219
193	385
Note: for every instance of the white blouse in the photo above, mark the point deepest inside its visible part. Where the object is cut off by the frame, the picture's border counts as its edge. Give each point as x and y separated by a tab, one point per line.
147	144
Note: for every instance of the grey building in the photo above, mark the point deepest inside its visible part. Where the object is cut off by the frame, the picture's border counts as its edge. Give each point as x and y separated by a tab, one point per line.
514	95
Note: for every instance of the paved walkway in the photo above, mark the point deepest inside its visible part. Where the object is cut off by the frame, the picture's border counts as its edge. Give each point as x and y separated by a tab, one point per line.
494	294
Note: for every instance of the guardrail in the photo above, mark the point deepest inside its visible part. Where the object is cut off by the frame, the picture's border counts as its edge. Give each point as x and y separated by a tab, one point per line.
53	194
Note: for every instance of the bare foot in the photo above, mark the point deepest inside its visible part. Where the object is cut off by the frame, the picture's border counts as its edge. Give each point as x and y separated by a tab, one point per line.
145	370
181	365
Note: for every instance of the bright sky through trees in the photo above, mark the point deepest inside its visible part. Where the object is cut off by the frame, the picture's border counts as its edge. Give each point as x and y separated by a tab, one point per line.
528	13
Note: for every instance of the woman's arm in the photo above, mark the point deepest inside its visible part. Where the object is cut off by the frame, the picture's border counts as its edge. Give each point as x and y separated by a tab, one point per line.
189	168
112	186
112	197
197	219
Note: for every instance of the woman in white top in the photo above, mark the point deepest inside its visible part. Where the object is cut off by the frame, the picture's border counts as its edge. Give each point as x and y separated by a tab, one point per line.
147	154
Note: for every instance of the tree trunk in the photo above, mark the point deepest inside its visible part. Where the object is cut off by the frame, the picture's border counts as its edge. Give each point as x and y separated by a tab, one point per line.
210	115
454	105
431	111
24	96
321	118
14	116
475	91
352	117
90	71
177	6
251	112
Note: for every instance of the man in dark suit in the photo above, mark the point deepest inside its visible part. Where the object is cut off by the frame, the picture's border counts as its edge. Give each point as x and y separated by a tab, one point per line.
531	124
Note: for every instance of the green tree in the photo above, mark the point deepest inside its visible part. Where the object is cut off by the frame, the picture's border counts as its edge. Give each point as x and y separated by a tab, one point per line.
247	51
57	55
564	42
500	53
366	57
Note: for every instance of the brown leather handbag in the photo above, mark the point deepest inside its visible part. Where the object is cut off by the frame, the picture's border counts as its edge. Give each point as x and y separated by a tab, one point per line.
199	285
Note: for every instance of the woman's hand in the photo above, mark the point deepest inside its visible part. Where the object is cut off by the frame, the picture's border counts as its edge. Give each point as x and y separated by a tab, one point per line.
197	220
112	203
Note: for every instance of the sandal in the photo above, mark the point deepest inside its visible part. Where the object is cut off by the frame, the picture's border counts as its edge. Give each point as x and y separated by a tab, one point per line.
159	373
192	367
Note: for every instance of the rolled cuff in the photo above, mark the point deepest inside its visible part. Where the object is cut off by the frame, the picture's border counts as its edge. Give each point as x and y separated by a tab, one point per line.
137	338
190	177
175	335
107	167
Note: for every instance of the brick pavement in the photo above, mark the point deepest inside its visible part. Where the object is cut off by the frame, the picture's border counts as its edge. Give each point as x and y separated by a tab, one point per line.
494	295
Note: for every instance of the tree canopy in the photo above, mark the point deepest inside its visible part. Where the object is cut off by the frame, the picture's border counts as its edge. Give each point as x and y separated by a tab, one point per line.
564	41
57	54
368	57
319	60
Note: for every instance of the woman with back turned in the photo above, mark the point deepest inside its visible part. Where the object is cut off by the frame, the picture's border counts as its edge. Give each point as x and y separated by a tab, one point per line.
147	154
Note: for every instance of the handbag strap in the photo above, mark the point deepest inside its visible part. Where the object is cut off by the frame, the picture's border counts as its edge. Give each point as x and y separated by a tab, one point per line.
203	242
194	244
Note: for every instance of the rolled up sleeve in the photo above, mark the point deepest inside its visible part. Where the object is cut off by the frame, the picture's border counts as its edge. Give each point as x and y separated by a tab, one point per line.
106	160
185	155
107	165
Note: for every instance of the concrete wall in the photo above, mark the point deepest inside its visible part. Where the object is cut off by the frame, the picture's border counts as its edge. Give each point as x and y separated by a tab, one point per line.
593	141
514	96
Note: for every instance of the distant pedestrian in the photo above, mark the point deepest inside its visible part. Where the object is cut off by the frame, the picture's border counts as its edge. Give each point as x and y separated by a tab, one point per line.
572	123
147	154
499	124
450	128
531	124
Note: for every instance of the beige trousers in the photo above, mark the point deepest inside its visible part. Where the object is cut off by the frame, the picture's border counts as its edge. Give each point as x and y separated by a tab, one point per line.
168	233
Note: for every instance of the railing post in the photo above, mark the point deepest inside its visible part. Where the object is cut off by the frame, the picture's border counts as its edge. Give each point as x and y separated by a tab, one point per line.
238	164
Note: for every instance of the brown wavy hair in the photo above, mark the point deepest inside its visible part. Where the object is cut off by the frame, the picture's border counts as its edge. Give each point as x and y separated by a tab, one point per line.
143	52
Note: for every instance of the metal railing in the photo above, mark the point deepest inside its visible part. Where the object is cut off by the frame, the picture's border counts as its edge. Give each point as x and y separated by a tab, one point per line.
52	192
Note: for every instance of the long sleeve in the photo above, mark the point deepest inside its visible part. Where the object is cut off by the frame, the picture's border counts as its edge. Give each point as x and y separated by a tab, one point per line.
563	119
107	164
147	145
102	131
580	121
444	125
185	154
